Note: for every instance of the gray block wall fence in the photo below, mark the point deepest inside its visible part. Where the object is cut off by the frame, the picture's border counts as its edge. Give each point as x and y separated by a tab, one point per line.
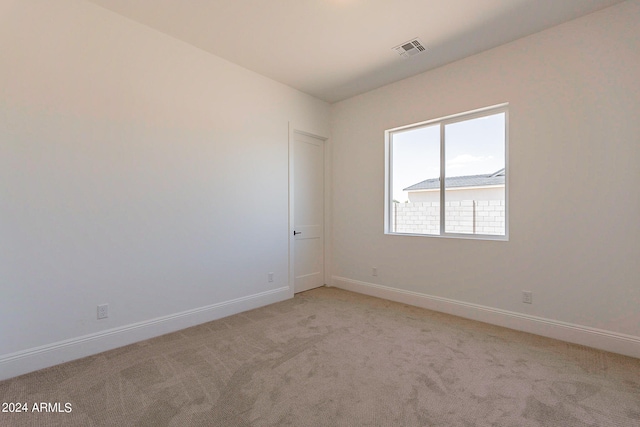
466	216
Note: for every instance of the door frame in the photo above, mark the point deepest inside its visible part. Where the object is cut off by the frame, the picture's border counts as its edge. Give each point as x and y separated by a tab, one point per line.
327	205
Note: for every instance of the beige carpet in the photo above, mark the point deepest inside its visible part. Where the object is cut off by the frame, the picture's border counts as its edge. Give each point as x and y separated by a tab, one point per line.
334	358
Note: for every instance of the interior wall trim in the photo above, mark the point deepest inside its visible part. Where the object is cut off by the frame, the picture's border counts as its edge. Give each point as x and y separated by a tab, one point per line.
35	358
627	345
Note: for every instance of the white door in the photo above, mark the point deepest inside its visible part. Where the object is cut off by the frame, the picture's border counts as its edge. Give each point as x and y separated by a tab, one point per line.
308	212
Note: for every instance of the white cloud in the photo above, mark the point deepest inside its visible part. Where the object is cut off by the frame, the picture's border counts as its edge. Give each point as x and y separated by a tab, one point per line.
468	163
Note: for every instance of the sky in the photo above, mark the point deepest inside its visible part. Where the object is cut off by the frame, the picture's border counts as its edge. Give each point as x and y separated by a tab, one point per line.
472	147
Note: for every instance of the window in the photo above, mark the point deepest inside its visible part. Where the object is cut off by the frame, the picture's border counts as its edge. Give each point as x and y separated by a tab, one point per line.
453	168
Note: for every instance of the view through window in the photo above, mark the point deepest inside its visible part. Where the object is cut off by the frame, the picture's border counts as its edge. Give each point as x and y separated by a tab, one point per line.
452	168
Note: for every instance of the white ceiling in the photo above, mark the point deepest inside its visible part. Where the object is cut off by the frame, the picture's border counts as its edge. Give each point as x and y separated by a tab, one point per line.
335	49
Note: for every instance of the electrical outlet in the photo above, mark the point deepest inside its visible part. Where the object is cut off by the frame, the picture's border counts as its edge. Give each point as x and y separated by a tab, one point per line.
103	311
374	271
270	277
527	297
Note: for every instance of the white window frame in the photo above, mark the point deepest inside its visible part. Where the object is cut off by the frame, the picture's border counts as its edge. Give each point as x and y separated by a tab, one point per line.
442	122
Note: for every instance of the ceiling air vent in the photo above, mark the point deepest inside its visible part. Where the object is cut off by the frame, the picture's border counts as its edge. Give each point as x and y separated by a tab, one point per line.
410	48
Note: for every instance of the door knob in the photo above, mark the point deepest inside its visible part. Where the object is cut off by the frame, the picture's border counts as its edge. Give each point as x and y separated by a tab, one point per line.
296	232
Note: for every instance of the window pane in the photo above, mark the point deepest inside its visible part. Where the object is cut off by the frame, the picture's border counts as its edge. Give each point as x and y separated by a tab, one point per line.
475	176
415	181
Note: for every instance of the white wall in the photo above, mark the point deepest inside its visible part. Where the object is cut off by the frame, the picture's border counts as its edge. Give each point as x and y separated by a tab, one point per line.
455	194
127	162
574	96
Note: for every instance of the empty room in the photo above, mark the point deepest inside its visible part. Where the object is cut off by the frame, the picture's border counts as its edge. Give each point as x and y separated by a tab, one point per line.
320	212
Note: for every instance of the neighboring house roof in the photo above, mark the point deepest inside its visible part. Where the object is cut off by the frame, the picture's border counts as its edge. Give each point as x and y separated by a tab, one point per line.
496	178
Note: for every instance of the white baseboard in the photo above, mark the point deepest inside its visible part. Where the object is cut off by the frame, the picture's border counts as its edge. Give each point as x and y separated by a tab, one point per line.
22	362
627	345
